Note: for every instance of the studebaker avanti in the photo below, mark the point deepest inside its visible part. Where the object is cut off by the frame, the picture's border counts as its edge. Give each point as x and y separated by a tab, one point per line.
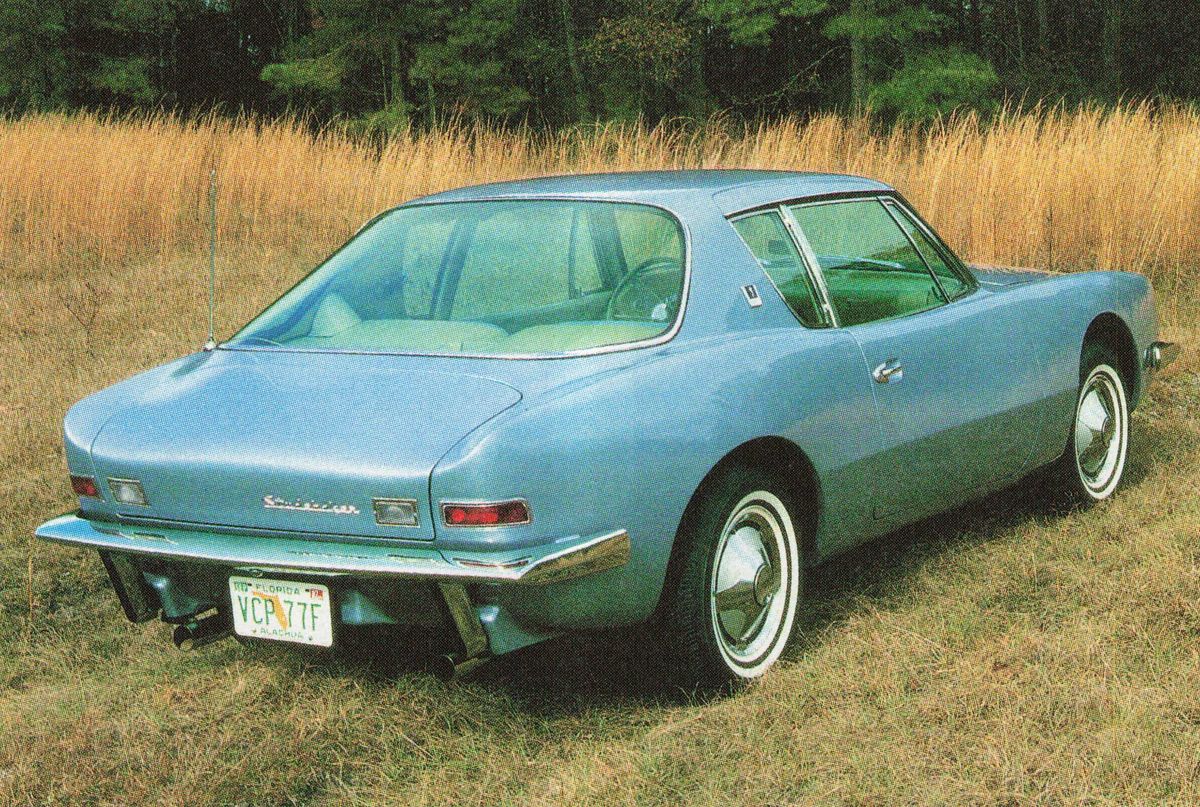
519	409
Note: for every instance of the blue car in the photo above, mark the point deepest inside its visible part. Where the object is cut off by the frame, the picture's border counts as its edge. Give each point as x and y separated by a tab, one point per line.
510	411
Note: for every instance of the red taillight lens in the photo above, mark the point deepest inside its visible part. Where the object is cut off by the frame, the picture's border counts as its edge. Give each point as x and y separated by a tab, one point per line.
486	514
85	486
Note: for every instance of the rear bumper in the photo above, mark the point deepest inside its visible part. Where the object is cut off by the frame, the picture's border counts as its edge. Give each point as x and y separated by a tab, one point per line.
564	559
180	574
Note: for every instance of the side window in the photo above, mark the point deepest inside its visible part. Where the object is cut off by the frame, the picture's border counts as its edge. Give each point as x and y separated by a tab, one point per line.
770	242
870	267
951	282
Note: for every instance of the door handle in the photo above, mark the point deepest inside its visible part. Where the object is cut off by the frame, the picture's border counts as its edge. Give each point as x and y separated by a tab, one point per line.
891	370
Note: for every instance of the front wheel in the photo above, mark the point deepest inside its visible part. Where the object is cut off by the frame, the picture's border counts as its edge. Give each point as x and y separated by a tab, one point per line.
1093	465
732	606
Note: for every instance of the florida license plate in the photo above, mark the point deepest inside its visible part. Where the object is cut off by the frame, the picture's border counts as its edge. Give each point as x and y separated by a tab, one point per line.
283	610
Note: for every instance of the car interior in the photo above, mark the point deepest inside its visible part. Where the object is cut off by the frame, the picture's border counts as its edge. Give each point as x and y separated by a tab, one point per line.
867	254
517	278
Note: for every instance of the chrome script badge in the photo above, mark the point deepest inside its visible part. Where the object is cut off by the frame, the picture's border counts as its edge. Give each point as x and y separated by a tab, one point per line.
276	503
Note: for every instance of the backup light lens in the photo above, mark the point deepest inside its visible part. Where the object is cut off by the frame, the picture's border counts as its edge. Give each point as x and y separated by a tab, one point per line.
396	512
486	514
128	491
85	486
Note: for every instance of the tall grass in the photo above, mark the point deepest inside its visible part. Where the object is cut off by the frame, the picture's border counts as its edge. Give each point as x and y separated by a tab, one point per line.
1115	188
1002	654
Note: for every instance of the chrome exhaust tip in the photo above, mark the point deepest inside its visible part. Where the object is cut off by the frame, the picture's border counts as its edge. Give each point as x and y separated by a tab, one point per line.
1160	354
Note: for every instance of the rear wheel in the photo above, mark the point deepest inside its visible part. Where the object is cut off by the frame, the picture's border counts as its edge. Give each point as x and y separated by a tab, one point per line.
733	604
1093	465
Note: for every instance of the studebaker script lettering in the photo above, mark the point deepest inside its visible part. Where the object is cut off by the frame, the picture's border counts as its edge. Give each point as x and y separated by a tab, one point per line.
276	503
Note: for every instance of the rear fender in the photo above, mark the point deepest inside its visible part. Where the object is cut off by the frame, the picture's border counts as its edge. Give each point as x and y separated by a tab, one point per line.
629	450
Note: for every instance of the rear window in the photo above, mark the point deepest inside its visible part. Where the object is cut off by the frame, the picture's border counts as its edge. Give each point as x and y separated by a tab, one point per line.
504	278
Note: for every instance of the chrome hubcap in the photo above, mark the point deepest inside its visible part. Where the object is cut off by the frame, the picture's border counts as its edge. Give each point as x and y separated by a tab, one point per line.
1099	432
747	578
765	584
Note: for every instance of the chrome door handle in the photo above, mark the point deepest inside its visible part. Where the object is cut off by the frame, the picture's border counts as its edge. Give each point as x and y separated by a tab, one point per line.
891	370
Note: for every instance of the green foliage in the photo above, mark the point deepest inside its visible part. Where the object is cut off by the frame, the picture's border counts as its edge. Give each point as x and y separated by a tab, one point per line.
556	62
937	83
899	22
33	67
751	22
388	122
305	78
126	78
469	65
644	39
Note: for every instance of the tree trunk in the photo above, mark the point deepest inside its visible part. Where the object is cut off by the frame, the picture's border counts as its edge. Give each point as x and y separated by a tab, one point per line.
1020	35
1110	46
977	27
577	103
858	59
397	94
1042	9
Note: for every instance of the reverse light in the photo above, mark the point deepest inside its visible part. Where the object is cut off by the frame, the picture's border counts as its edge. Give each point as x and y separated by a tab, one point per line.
486	514
85	486
396	512
128	491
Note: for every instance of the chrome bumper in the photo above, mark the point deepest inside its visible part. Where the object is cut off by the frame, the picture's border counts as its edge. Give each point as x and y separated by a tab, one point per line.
565	559
118	544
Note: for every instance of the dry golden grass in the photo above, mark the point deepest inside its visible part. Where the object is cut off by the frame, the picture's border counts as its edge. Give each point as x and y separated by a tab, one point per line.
1086	188
1002	654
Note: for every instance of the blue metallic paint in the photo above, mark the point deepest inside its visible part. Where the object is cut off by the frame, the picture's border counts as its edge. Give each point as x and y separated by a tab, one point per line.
623	439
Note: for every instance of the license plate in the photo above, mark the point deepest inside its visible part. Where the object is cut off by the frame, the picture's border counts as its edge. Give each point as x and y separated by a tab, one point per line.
283	610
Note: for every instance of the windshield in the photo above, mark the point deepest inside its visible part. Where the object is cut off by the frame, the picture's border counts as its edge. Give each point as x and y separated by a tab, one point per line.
504	278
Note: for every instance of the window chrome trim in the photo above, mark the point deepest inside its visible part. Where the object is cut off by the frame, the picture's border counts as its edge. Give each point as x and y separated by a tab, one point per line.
947	255
654	341
883	199
890	208
810	259
971	284
828	318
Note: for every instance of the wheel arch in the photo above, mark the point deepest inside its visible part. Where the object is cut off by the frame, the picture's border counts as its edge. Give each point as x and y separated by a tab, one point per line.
1112	331
782	458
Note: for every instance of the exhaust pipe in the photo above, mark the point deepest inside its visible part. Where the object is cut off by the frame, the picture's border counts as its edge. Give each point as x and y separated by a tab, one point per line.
198	633
451	668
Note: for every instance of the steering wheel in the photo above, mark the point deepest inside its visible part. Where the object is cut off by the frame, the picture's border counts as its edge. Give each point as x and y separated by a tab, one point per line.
648	293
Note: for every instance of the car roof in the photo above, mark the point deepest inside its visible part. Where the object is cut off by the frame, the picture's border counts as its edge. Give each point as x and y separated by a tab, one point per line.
732	190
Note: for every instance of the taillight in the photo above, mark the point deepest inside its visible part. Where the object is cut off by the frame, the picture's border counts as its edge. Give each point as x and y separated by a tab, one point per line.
85	486
486	514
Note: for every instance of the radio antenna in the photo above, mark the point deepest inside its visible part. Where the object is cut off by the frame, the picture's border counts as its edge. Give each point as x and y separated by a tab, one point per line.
211	344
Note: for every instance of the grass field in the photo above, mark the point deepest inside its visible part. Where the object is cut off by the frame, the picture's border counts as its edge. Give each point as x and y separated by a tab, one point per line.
1006	653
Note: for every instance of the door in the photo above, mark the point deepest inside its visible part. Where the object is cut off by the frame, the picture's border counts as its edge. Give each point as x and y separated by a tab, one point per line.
824	379
948	365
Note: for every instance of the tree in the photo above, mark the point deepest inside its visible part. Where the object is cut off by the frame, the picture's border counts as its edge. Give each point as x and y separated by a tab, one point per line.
899	64
935	83
33	64
391	63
